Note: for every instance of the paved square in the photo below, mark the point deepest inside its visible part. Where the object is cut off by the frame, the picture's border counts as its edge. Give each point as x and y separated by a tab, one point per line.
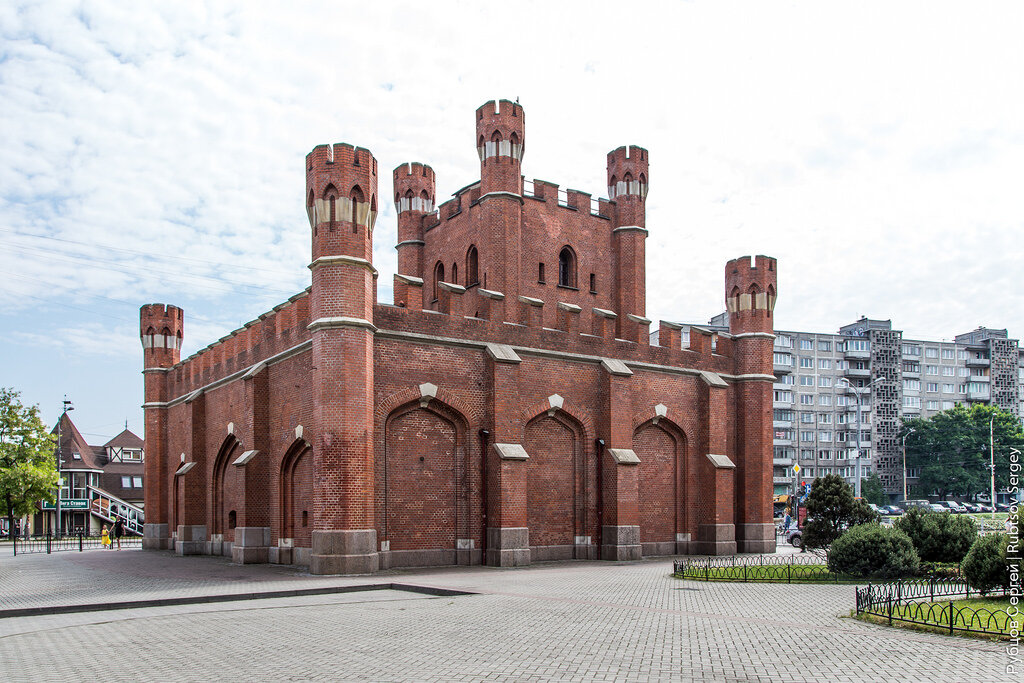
566	621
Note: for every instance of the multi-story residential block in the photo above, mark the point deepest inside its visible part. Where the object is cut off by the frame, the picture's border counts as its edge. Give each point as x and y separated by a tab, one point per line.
820	377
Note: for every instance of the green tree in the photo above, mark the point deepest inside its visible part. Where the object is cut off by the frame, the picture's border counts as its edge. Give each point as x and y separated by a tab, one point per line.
873	490
831	508
986	566
951	449
28	468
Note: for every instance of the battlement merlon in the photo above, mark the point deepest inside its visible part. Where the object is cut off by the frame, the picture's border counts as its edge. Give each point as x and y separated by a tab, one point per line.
751	290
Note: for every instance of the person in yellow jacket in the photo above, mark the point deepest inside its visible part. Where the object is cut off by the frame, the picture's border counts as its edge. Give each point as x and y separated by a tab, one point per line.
105	538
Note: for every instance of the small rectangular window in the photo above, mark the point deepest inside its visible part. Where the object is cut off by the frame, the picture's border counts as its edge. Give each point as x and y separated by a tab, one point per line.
540	273
137	482
593	284
126	482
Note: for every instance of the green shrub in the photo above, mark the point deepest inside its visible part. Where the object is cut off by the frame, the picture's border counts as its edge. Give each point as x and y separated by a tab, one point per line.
938	536
985	566
872	550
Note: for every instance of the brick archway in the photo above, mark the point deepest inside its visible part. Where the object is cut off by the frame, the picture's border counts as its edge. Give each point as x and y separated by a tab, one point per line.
661	446
296	495
219	510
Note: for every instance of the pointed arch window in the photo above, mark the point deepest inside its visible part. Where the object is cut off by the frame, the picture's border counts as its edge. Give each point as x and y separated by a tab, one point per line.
438	276
472	267
567	267
455	273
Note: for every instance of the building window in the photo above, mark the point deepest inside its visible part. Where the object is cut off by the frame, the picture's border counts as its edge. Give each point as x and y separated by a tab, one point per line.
948	354
593	284
825	400
824	363
931	353
824	381
567	267
824	346
472	277
807	380
438	276
931	370
948	371
807	399
932	386
806	345
540	274
137	482
806	362
807	436
783	342
912	385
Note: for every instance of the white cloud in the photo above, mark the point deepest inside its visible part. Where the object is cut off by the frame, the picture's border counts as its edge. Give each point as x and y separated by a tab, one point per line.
876	149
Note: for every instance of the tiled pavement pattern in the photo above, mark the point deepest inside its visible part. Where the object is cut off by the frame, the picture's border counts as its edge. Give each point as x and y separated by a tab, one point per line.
578	621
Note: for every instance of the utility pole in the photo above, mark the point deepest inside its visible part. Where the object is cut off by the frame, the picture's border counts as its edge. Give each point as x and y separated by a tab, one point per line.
909	432
60	483
992	460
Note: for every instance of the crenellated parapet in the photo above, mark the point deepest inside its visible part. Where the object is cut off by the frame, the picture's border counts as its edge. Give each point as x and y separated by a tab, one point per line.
415	185
160	330
341	198
750	291
500	143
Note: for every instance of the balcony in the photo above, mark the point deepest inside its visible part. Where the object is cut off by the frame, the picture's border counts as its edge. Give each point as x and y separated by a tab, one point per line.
978	362
912	373
982	394
782	405
857	354
783	462
782	480
782	369
783	424
864	373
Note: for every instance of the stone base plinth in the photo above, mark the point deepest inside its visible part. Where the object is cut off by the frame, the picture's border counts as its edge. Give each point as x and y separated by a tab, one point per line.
156	537
620	543
191	540
508	546
348	551
251	545
755	538
714	539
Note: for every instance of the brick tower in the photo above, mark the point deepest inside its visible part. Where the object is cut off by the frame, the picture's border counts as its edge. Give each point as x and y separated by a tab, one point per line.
627	187
750	290
500	140
160	329
341	201
414	199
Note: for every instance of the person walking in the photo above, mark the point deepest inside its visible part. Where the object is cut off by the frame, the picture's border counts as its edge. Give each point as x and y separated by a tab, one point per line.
105	538
118	531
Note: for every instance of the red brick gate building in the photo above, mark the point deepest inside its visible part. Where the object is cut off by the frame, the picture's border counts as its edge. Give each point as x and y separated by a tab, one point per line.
507	408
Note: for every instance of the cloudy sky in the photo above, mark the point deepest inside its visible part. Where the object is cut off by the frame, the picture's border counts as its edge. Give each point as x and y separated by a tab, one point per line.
153	152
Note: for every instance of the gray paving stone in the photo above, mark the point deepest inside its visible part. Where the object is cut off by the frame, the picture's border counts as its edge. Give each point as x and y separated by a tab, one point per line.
569	621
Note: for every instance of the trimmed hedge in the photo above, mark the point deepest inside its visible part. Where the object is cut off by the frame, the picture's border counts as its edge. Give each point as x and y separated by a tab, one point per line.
870	550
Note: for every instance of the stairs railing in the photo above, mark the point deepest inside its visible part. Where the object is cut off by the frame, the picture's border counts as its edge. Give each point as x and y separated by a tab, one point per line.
108	507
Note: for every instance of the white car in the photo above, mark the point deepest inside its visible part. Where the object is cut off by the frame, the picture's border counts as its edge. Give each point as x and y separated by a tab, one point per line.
936	507
952	506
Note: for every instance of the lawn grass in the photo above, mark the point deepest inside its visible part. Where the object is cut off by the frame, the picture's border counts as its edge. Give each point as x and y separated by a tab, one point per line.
773	573
985	616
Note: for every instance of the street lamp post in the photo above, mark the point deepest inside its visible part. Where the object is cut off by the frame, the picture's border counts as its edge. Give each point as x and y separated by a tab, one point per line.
909	432
857	391
60	483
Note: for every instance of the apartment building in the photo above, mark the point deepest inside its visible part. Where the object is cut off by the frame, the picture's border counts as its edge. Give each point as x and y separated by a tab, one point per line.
821	377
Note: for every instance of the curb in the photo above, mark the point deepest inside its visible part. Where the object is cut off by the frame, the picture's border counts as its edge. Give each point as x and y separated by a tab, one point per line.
232	597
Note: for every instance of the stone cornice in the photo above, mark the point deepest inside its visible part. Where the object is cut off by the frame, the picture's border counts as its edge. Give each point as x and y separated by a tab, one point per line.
342	259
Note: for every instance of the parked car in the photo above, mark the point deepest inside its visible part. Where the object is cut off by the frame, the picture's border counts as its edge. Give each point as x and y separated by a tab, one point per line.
951	505
984	508
935	507
1002	507
893	510
971	507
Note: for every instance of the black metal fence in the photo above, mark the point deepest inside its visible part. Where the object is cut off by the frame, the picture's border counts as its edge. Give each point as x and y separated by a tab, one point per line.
899	602
760	569
52	544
